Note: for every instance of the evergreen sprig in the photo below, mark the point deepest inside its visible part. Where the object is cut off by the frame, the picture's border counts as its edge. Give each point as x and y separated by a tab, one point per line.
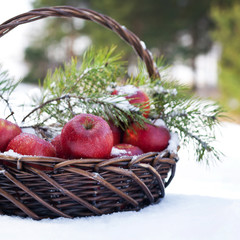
96	71
74	89
111	108
194	119
83	88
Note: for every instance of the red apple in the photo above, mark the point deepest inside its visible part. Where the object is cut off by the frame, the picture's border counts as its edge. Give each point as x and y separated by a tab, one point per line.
135	95
87	136
8	131
124	149
117	133
56	142
29	144
150	138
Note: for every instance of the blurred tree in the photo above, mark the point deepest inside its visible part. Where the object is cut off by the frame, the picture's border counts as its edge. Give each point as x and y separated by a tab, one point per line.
227	32
175	28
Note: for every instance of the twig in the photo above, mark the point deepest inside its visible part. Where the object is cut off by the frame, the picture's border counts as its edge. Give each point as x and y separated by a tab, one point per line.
10	108
68	96
44	104
203	143
70	107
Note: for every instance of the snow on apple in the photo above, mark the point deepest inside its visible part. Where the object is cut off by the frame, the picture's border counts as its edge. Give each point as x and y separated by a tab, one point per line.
120	102
128	90
134	96
173	143
124	149
11	153
116	152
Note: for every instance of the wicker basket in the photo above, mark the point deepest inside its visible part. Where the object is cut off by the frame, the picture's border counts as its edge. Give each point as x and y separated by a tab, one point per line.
83	187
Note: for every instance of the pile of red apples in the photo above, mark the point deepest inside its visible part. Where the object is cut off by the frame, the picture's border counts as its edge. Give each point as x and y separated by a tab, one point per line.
89	136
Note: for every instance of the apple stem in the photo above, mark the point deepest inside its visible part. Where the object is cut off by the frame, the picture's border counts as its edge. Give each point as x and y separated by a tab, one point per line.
88	124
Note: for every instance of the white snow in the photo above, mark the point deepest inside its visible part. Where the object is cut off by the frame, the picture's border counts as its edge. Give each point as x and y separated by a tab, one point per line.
177	113
159	123
2	171
174	91
11	153
29	130
120	102
117	152
202	202
128	90
109	89
143	45
161	90
173	143
158	89
134	157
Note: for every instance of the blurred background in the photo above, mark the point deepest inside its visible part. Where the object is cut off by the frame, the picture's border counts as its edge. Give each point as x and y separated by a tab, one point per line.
199	40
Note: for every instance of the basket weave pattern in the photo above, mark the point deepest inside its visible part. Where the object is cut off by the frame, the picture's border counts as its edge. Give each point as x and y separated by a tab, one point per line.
83	187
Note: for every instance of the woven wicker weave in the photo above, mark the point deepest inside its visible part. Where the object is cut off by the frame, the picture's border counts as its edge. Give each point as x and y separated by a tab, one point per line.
83	187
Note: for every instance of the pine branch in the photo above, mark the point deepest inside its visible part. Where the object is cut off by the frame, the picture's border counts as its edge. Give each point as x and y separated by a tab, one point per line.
112	108
194	119
75	89
44	104
83	88
97	70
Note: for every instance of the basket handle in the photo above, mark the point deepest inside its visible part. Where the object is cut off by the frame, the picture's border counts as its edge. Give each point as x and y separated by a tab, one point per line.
87	14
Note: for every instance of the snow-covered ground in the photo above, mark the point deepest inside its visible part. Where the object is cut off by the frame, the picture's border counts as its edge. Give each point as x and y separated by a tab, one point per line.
202	202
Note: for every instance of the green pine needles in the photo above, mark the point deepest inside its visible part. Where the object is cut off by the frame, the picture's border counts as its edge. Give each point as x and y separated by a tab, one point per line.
194	119
76	88
85	86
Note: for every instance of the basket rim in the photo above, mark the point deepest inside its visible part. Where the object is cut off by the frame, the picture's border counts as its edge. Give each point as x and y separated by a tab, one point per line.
61	162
